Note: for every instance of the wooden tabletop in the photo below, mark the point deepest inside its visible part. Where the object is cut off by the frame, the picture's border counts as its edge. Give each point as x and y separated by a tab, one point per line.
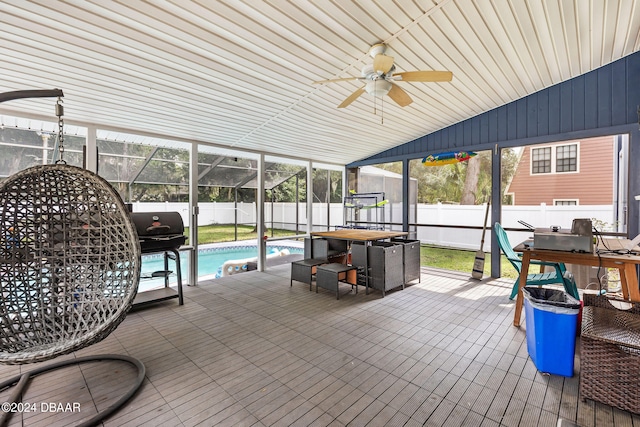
359	234
606	251
625	263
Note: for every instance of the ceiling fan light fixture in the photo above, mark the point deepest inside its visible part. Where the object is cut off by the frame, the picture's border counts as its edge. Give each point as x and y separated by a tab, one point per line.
378	88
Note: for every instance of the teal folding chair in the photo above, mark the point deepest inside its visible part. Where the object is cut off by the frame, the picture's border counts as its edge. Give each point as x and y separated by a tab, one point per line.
535	279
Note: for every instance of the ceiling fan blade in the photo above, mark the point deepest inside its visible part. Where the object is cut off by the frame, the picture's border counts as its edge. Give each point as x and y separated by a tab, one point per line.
425	76
346	79
401	97
382	63
351	98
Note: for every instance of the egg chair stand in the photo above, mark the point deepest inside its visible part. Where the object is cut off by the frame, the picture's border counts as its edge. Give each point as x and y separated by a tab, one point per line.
69	266
22	380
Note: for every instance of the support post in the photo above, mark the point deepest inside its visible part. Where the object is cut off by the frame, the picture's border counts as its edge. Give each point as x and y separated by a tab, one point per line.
309	198
496	208
328	199
262	245
91	158
194	211
405	194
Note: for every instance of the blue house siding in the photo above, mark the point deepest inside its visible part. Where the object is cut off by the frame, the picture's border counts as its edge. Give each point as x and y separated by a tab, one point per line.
602	102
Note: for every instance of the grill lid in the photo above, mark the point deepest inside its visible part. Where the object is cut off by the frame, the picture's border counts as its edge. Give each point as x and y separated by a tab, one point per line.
159	231
149	224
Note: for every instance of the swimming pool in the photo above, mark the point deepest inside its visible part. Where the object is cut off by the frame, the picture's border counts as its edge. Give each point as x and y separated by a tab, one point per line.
210	262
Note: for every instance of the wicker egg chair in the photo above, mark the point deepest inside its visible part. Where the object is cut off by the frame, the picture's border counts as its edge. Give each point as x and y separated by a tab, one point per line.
69	262
69	267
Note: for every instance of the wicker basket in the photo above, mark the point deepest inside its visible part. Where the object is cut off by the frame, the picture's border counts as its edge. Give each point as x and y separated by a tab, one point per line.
610	354
69	262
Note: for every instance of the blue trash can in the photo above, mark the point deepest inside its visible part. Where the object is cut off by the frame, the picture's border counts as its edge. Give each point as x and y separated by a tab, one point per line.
551	318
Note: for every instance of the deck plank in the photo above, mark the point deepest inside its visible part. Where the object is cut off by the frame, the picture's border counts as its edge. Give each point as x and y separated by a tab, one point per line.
251	350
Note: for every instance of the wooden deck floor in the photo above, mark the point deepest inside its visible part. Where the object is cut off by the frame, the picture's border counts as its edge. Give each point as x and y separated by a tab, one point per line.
251	350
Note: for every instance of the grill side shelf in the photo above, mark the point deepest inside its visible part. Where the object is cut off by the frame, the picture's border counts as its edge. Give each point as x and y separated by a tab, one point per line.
166	293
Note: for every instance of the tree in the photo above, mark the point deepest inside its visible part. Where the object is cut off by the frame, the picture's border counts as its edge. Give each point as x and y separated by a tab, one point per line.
463	182
472	176
327	185
510	159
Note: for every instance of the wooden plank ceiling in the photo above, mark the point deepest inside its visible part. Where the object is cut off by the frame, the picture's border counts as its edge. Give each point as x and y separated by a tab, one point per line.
239	73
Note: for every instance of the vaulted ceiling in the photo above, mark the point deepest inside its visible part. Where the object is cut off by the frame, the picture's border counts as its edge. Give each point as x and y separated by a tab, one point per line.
239	73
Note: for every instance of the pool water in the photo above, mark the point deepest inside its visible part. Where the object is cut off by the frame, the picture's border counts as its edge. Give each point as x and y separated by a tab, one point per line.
210	261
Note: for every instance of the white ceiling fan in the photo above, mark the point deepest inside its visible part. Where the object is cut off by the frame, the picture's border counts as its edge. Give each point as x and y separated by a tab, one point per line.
380	78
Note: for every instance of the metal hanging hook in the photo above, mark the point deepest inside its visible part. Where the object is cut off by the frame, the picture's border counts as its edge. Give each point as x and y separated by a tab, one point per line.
59	114
46	93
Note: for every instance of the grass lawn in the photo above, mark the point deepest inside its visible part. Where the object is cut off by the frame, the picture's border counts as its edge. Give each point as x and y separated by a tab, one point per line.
449	259
460	260
226	233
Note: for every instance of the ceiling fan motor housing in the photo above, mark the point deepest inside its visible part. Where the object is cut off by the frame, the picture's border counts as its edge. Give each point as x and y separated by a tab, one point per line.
370	74
377	49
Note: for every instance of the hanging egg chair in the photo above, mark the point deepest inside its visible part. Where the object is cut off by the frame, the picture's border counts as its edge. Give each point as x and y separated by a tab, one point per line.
69	263
69	259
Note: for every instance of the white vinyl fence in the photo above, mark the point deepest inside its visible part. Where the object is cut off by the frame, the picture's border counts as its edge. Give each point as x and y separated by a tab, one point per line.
465	215
284	216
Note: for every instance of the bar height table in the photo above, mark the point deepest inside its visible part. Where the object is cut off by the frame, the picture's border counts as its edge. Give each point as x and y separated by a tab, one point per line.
360	235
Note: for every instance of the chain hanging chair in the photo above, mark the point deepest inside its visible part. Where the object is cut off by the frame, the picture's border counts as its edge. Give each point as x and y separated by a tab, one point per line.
69	260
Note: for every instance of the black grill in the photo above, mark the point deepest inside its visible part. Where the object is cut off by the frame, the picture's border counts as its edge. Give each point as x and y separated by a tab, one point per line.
159	231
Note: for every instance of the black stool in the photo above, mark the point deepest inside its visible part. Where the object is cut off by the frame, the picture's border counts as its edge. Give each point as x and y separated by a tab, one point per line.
303	270
328	277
